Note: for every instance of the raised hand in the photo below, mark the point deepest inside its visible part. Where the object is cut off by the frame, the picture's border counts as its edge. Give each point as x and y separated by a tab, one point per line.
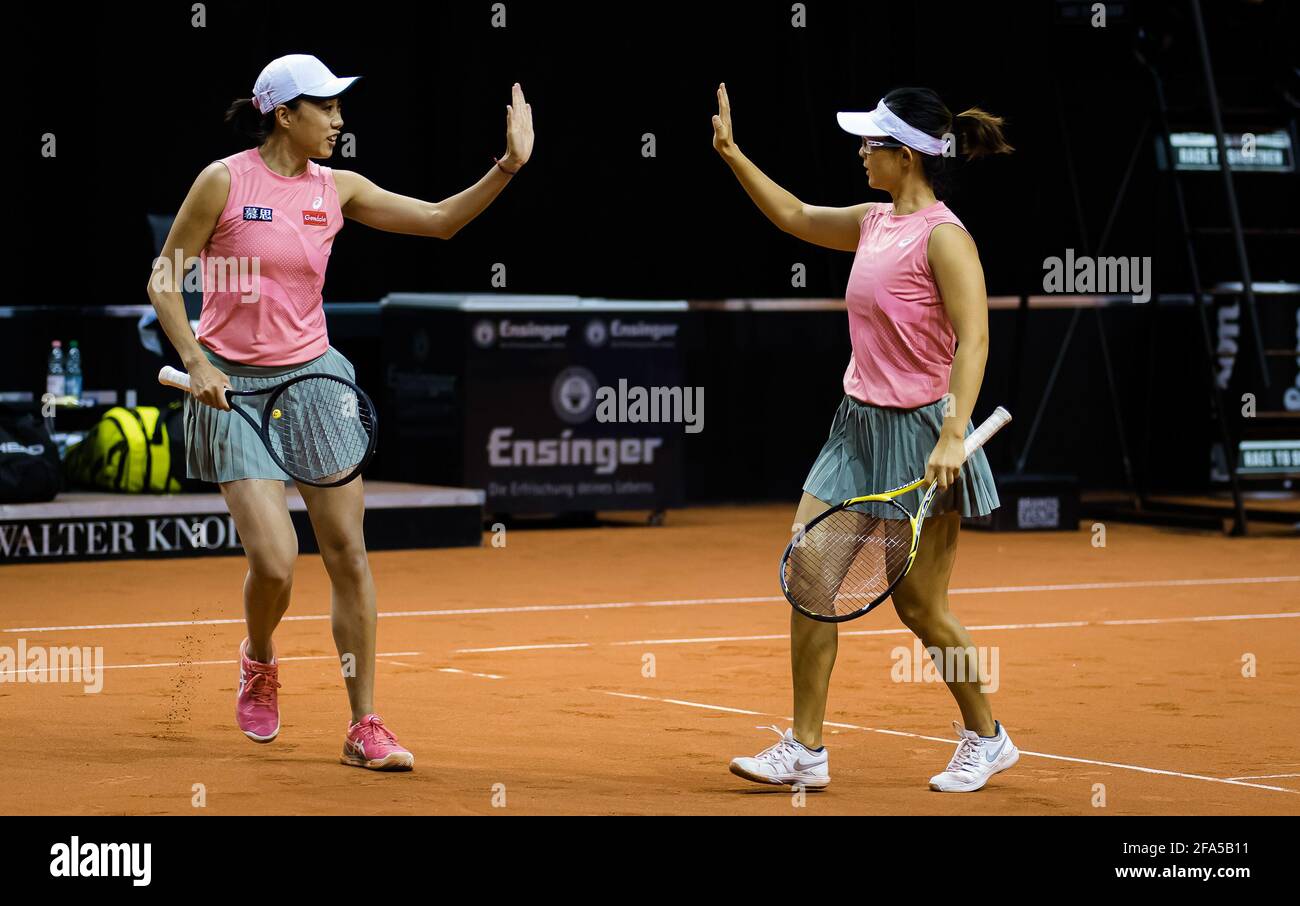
723	141
519	130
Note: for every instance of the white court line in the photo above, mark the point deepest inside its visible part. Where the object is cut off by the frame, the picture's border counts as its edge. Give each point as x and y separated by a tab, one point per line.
1263	777
676	701
527	647
951	742
305	657
685	602
704	640
469	673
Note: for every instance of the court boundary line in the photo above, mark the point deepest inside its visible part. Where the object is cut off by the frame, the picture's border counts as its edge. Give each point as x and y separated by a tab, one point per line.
300	657
684	602
952	742
990	627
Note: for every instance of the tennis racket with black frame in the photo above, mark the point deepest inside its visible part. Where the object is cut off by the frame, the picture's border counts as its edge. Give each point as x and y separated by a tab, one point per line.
848	560
321	429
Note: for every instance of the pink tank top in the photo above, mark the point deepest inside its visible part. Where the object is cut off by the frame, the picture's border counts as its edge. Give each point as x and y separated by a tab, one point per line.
273	316
903	342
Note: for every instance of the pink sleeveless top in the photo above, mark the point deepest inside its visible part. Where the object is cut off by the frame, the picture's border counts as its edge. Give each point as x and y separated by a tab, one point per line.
285	226
903	342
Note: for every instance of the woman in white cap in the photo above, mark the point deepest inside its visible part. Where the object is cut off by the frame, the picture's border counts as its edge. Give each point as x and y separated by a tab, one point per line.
275	207
918	327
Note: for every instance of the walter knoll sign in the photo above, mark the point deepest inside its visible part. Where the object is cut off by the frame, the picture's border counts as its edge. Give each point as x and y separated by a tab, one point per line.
29	540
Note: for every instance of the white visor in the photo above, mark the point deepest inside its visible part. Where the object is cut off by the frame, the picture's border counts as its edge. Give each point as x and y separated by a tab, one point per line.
883	121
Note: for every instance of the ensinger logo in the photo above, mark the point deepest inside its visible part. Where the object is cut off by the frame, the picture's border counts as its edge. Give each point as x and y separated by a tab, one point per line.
642	330
484	334
573	395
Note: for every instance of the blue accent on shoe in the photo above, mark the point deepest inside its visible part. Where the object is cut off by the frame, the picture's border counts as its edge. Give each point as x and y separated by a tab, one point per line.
997	731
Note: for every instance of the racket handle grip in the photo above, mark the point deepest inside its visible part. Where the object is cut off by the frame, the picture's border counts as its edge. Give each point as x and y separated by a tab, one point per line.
987	429
173	377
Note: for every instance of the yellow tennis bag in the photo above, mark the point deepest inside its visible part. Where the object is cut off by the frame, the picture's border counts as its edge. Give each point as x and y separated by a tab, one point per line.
131	451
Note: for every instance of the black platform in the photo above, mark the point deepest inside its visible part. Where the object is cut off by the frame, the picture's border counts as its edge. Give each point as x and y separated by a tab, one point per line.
101	526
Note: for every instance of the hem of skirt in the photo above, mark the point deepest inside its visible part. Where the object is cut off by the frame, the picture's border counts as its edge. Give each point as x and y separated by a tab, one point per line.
975	512
212	479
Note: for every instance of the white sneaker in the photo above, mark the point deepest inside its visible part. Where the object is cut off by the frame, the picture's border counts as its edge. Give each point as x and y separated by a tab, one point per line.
976	760
789	761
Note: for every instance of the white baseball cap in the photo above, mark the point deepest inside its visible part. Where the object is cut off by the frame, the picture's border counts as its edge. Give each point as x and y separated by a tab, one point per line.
288	77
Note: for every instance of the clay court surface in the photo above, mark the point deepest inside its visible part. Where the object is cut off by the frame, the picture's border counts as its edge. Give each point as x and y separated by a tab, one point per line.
524	666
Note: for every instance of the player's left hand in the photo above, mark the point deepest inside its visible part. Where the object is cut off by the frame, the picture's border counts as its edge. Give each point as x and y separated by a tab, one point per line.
945	461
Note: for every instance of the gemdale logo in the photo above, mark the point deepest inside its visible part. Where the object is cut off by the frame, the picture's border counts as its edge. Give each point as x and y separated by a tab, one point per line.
103	860
39	664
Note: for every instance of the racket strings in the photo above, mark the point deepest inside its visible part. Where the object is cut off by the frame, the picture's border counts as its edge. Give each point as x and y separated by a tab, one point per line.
846	562
320	428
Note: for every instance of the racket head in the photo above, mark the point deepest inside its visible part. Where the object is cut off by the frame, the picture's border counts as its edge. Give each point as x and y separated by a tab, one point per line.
321	429
848	560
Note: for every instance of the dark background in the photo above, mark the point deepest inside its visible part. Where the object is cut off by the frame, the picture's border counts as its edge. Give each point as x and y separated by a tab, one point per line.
136	94
590	215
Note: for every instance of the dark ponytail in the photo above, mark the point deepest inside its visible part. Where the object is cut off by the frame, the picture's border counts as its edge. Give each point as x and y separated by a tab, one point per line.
978	133
243	117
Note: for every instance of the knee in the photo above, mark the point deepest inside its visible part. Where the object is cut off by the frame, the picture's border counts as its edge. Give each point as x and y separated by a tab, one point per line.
275	572
918	614
274	567
347	563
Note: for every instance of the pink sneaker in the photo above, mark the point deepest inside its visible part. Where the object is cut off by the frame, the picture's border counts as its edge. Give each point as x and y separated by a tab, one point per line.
257	709
370	745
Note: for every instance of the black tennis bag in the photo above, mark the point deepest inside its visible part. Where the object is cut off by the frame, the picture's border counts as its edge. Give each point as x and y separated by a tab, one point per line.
29	459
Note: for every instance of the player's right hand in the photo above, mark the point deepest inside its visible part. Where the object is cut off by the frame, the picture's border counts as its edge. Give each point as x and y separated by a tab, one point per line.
208	385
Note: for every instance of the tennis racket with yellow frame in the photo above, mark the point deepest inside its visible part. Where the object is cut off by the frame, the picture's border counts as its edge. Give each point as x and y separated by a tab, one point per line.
849	559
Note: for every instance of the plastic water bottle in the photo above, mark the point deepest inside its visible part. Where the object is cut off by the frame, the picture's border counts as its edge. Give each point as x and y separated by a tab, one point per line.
55	379
72	380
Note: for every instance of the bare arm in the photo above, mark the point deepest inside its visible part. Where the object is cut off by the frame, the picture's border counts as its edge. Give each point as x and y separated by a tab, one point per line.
955	263
835	228
367	203
188	236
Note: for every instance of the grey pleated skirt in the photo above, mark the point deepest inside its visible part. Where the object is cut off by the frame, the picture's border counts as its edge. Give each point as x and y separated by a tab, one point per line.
221	446
876	448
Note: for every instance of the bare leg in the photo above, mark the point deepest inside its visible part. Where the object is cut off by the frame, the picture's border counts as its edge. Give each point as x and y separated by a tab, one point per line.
921	601
813	646
336	516
271	547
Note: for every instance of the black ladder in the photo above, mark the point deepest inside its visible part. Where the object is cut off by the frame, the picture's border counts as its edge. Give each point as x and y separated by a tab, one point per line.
1254	397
